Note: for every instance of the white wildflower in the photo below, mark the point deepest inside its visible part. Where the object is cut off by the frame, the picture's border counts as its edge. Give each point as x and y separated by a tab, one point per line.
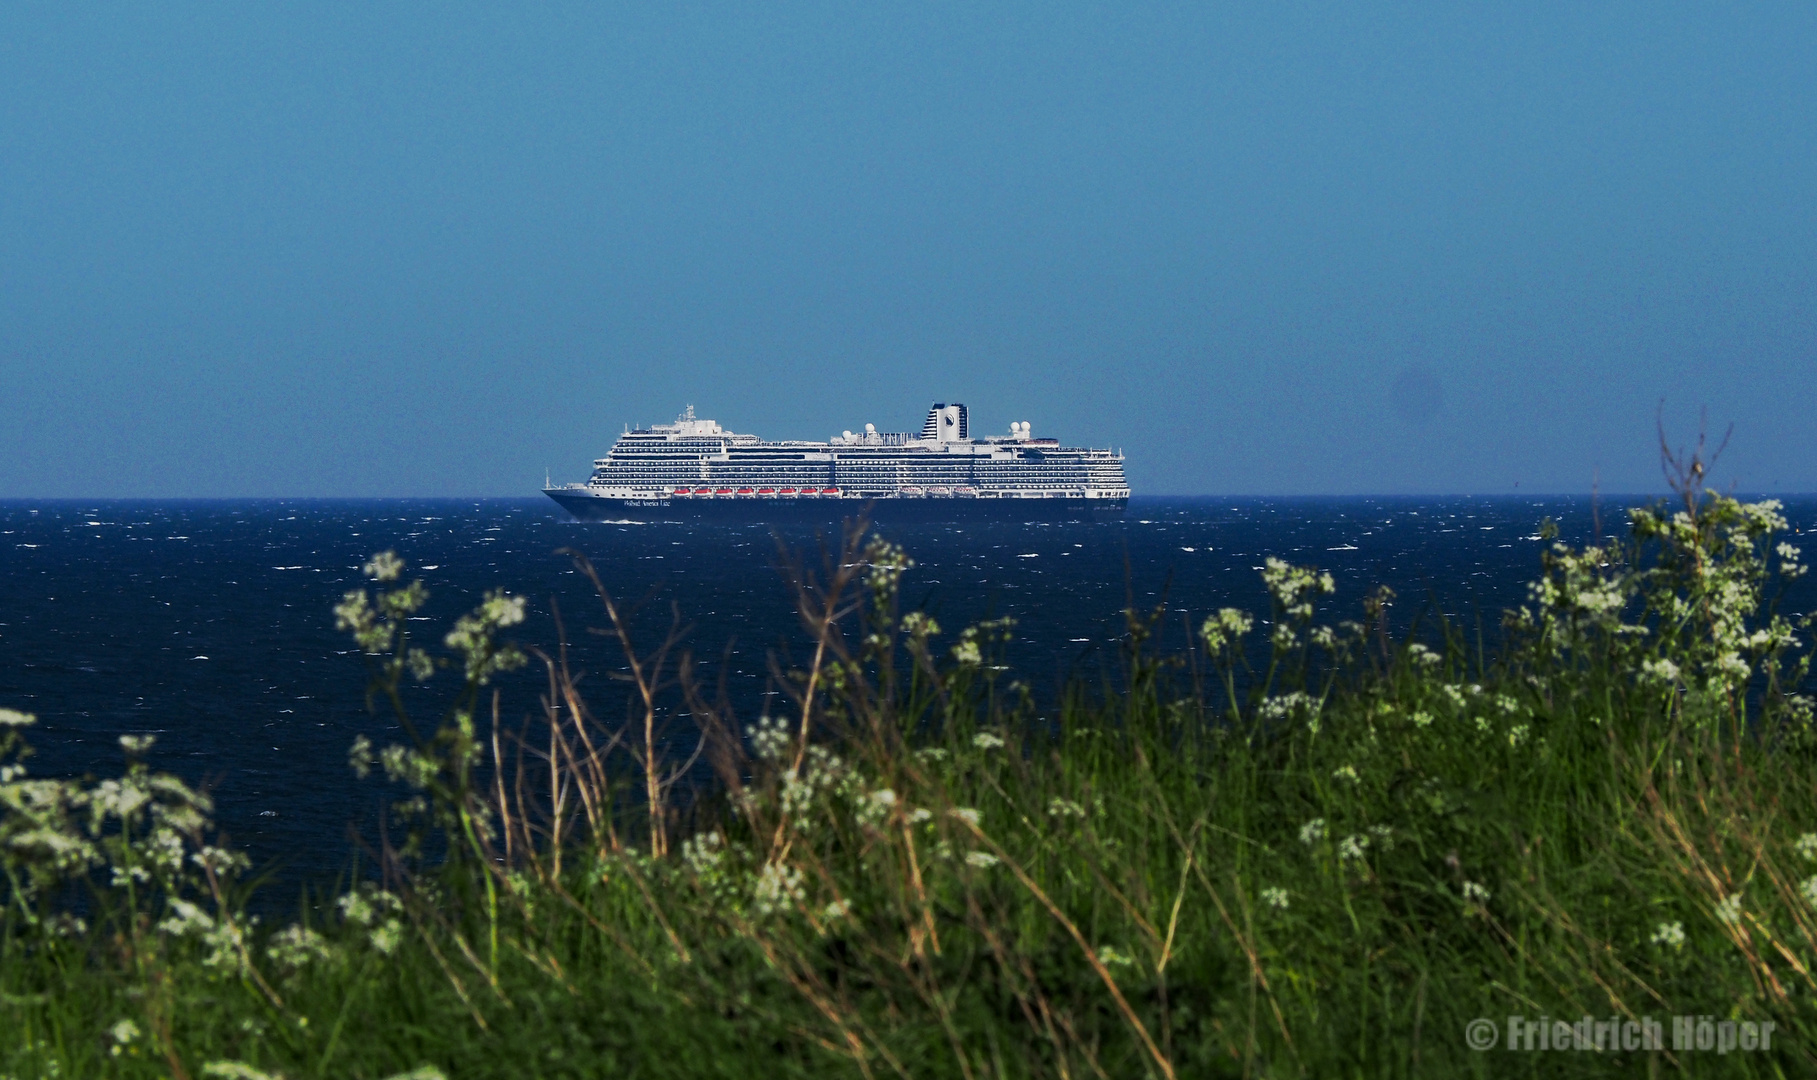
1475	893
185	918
66	925
1671	935
355	909
1293	587
1421	718
385	566
1348	773
838	909
778	888
1806	846
1313	831
113	798
123	1032
983	860
1111	956
1517	735
967	815
1422	656
1297	703
1275	898
386	938
984	740
919	624
1353	846
360	757
1058	807
226	942
703	855
220	860
1729	910
876	806
770	738
164	849
295	946
1228	625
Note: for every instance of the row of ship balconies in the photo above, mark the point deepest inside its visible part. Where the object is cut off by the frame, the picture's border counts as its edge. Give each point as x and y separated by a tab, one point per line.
906	491
956	473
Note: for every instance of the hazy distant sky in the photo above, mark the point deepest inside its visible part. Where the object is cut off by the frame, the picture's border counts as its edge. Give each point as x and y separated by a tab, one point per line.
1270	248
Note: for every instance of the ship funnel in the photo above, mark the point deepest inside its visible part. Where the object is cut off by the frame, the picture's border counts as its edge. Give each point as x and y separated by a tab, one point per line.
946	423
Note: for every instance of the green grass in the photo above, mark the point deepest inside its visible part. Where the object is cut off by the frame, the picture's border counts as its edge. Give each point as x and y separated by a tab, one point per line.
1327	864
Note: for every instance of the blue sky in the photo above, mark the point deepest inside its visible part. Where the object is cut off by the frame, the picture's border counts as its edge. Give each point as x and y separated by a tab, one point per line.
1284	248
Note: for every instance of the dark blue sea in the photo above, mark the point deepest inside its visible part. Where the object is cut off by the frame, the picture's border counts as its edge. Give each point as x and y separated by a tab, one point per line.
208	623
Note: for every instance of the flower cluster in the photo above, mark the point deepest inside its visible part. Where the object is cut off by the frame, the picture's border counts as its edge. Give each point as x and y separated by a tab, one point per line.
1670	935
968	651
1228	626
475	637
1293	587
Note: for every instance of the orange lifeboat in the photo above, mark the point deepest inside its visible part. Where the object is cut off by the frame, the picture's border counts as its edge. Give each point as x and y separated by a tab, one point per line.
786	491
745	493
722	491
829	491
768	492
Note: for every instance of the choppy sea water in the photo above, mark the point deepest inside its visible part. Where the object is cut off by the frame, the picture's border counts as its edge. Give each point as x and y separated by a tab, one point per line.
208	623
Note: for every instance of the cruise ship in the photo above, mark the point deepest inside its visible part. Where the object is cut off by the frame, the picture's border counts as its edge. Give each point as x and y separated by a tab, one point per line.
694	468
